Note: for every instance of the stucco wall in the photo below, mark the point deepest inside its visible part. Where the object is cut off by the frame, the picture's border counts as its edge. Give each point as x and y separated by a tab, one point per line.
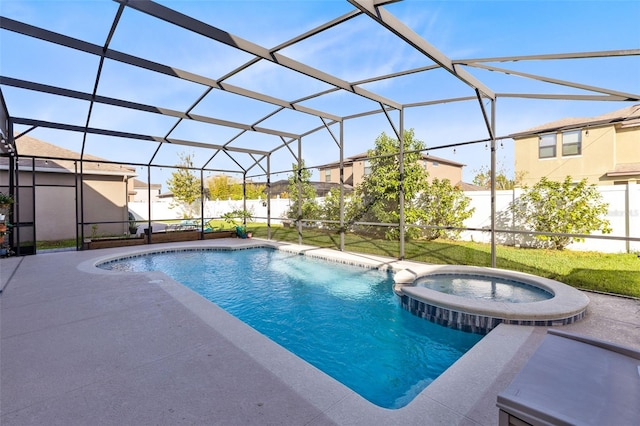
602	149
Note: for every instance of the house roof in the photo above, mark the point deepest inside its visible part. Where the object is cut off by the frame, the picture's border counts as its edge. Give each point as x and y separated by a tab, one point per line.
625	169
364	155
140	184
55	159
626	117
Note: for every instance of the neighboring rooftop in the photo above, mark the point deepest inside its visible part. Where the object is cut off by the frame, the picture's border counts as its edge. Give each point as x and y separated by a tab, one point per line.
364	155
55	159
625	117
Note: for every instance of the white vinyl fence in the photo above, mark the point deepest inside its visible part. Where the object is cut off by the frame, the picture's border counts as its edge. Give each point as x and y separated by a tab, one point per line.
623	200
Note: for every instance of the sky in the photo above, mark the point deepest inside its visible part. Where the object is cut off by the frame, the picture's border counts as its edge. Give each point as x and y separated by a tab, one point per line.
354	51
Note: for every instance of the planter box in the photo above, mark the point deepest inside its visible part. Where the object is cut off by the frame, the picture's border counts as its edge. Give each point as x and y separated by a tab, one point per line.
159	237
113	242
219	234
173	237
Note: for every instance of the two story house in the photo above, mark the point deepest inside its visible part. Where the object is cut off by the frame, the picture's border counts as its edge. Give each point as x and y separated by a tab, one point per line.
357	167
604	149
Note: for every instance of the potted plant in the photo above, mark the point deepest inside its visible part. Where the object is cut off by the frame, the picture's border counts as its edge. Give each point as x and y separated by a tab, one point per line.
241	228
5	200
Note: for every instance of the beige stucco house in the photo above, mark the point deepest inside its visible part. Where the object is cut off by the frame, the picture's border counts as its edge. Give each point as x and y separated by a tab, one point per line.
142	191
48	191
357	167
604	149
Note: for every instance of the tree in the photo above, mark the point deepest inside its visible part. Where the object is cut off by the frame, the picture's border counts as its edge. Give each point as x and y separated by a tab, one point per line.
442	204
222	187
302	193
219	187
483	178
562	207
330	209
377	198
186	187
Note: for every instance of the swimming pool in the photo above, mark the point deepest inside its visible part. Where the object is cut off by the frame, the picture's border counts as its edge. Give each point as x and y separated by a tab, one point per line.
345	320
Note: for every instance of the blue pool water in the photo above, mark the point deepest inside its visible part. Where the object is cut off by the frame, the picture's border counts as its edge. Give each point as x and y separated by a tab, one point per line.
343	319
494	289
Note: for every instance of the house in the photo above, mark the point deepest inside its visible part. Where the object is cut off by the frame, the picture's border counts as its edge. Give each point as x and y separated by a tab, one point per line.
322	188
357	167
604	149
48	190
142	190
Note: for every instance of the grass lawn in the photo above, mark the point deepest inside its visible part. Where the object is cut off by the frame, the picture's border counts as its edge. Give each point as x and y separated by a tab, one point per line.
605	272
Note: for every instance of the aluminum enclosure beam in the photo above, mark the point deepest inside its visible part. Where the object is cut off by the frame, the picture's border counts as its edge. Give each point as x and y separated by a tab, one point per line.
53	90
83	46
176	18
105	132
397	27
552	56
626	96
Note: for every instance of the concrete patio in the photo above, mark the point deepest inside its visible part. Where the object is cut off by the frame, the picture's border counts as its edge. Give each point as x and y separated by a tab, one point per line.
82	346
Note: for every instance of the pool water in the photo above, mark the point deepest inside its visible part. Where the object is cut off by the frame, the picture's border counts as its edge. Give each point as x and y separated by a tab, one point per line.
484	288
345	320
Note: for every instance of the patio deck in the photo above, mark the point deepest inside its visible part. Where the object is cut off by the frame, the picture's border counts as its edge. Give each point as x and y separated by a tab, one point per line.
95	347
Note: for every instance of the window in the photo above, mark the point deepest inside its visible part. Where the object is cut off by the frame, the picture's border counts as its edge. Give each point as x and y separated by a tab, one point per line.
572	143
547	146
435	164
367	168
327	175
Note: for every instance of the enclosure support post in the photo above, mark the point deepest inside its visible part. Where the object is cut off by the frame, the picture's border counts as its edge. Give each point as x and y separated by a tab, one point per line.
493	183
342	230
244	198
401	186
201	203
299	178
149	229
269	197
79	232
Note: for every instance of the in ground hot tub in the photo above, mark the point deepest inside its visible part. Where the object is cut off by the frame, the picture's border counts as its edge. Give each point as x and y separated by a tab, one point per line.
461	309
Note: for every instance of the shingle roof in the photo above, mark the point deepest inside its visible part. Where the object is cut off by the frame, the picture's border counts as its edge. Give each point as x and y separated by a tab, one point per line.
625	169
50	157
626	116
364	155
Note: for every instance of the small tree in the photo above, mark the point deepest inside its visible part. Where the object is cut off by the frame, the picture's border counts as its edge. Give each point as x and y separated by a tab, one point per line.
221	187
330	209
562	207
302	193
483	178
186	187
442	204
377	198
